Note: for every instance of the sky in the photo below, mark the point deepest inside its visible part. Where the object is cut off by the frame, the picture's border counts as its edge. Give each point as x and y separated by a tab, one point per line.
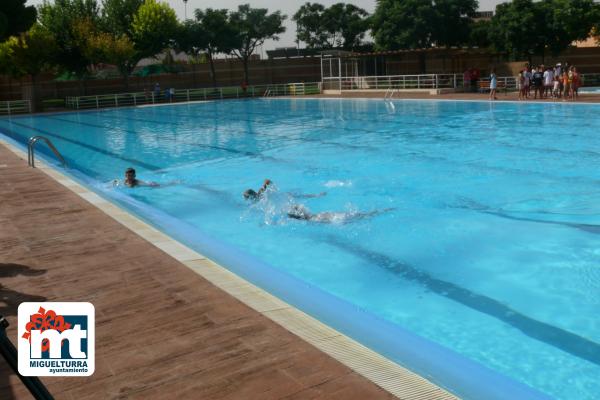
287	7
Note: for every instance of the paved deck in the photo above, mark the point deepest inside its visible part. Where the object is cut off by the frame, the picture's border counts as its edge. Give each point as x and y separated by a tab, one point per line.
162	331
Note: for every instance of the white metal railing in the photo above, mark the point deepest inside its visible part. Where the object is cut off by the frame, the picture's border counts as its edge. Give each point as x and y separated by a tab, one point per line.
391	83
590	79
504	82
183	95
15	107
424	81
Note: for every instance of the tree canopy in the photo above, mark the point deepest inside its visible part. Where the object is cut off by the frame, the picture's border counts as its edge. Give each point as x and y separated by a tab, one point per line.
522	28
154	26
210	33
252	26
29	53
64	19
452	24
410	24
341	25
15	18
310	25
117	16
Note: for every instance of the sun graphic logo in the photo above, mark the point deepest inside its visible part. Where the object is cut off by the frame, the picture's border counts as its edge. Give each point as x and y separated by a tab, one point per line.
56	339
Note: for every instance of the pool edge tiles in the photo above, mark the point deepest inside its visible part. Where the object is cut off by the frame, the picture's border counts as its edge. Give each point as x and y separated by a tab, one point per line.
383	372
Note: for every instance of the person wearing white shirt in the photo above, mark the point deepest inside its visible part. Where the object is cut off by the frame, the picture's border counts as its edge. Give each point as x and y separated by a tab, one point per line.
548	81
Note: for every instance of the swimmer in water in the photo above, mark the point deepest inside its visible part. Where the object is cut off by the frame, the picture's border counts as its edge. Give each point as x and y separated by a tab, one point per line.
132	182
250	194
302	213
253	195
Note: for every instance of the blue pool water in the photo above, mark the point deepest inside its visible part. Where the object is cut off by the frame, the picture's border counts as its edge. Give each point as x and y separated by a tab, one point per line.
488	238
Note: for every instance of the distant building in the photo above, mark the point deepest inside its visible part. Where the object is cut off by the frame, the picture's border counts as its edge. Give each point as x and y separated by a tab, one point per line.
589	42
292	52
483	15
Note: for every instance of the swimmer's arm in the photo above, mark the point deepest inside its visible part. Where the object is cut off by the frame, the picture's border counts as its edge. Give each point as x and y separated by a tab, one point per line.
308	195
264	186
147	184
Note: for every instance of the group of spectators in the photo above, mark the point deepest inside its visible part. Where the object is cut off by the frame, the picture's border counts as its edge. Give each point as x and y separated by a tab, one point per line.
549	82
557	82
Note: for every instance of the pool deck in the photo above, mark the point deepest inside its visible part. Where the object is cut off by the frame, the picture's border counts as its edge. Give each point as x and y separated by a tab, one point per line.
167	326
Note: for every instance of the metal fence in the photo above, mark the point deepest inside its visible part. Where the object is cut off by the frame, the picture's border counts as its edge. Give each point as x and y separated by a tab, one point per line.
590	79
183	95
15	107
427	81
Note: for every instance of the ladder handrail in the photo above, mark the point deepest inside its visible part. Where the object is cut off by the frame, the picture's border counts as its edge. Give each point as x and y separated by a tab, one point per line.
390	91
30	150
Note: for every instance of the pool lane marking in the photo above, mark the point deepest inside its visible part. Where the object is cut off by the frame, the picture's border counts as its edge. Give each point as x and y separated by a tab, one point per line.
78	143
559	338
388	133
276	124
212	147
585	227
252	154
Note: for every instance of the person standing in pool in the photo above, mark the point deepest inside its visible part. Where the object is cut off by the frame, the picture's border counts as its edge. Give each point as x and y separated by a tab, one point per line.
131	181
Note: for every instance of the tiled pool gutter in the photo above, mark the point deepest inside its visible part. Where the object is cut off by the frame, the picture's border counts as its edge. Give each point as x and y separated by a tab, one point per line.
277	294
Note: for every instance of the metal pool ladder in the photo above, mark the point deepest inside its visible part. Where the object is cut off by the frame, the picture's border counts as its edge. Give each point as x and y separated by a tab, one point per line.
30	147
389	94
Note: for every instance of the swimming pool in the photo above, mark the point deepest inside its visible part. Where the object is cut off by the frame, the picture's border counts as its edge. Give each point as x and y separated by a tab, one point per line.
487	241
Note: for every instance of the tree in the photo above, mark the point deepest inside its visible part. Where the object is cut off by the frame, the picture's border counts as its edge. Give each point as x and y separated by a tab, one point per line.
15	18
403	24
310	27
479	35
252	26
117	16
346	25
410	24
341	25
523	27
64	20
116	50
154	27
211	33
453	21
566	21
115	45
515	29
29	54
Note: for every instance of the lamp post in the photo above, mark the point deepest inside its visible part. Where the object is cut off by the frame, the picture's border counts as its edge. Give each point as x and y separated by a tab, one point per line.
185	9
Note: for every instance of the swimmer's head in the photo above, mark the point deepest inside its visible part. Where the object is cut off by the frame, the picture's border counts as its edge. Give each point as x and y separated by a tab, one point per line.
250	195
130	172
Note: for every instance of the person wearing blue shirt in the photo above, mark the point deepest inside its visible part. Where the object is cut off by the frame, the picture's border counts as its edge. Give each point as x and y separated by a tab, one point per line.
493	84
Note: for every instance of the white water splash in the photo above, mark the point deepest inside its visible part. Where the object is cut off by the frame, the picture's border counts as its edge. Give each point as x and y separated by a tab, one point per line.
336	183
